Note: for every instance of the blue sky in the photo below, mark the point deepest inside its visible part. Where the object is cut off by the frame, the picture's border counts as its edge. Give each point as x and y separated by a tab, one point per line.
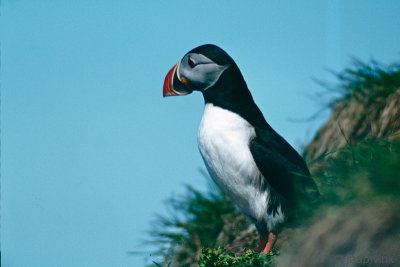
90	149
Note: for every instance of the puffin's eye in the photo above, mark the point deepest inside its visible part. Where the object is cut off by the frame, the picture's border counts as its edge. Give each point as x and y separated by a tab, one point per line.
191	63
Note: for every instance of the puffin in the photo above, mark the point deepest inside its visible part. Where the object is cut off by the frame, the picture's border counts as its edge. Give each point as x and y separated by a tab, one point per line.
250	162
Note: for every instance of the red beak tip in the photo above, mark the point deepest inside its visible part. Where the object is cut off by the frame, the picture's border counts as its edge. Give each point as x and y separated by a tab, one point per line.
168	89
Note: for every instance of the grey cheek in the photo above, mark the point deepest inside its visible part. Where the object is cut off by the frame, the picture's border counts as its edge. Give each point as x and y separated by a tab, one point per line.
188	73
202	76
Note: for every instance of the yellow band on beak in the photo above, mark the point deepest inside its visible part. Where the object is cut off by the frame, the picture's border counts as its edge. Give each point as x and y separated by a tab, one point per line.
184	80
181	78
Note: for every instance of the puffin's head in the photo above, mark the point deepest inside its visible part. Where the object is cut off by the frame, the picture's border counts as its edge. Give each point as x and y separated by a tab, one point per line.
198	70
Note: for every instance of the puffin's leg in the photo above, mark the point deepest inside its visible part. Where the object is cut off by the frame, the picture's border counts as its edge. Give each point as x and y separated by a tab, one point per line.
271	241
261	244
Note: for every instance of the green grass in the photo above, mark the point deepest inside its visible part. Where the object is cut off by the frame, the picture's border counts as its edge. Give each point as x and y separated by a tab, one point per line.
249	258
359	214
195	221
361	171
362	81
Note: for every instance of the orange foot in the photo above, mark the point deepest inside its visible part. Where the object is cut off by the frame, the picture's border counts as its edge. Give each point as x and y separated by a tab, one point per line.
266	247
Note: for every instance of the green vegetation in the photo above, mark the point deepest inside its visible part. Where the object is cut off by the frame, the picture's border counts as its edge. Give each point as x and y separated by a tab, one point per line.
361	171
220	257
196	221
371	80
359	216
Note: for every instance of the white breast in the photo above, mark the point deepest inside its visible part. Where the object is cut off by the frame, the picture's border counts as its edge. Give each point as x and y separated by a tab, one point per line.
223	141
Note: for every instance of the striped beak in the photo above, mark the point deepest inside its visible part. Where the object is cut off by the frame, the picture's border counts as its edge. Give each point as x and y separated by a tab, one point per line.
173	84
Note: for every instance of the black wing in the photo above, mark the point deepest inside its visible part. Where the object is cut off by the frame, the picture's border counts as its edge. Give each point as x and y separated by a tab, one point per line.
283	168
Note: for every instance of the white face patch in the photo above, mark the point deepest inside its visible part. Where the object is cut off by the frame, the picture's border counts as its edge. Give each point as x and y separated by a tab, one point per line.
200	71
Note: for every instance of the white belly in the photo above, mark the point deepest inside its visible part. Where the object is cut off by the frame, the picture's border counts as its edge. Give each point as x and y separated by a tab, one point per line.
224	145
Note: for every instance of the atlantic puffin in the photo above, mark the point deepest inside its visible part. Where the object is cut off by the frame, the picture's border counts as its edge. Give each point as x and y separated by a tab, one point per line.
252	164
